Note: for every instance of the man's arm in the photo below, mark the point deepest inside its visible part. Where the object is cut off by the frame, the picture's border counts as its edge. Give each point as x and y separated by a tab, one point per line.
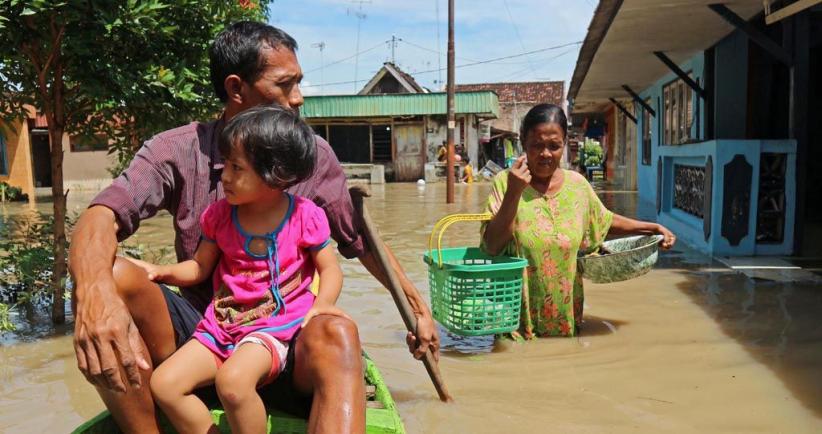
426	336
104	329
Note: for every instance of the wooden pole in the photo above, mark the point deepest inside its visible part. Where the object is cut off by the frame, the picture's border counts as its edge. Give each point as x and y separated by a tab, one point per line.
376	245
449	170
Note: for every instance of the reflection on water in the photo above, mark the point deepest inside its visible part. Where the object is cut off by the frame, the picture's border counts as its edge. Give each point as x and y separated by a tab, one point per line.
689	347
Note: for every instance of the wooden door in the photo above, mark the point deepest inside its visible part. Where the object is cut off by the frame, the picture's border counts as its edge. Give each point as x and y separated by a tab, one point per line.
409	163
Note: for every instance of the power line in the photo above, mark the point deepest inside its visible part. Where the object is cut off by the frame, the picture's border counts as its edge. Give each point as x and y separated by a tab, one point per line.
346	58
467	64
505	57
516	30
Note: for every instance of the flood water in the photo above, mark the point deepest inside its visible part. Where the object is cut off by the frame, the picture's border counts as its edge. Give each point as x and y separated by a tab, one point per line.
689	347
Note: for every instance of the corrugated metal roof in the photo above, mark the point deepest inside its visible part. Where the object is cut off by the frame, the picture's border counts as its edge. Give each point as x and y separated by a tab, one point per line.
344	106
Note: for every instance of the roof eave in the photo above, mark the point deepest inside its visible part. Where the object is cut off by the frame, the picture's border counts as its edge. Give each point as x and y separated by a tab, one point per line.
603	18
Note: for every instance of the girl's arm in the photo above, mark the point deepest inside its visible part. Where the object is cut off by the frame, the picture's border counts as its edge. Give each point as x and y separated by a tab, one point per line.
622	225
500	229
331	279
186	273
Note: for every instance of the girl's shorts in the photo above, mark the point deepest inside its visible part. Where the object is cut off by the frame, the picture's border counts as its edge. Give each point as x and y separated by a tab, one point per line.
275	347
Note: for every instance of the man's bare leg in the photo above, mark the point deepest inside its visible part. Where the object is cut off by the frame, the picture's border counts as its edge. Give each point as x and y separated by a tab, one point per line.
328	363
134	410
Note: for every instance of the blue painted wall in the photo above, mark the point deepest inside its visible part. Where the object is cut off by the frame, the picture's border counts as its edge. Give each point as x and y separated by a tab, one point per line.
730	68
646	174
731	96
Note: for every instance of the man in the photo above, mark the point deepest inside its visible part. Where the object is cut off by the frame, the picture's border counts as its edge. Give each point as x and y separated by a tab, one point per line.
125	324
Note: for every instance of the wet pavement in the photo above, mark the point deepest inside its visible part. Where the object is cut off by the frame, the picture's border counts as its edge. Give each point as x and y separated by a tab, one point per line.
690	347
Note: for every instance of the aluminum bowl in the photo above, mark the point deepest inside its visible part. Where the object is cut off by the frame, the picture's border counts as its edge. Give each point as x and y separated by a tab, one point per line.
625	259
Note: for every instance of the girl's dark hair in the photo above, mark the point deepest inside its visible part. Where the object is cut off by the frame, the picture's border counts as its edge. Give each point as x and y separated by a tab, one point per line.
543	114
277	143
236	50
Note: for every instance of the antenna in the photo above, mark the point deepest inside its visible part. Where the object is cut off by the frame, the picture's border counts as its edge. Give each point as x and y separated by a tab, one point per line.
321	46
394	40
360	17
439	47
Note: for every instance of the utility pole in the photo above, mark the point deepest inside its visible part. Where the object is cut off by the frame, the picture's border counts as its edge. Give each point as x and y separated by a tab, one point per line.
360	17
452	122
321	46
393	46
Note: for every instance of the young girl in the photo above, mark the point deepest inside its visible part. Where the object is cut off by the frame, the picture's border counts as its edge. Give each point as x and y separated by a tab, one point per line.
266	245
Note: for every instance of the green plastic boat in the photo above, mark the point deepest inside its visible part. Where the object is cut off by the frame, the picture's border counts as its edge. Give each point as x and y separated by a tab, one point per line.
381	416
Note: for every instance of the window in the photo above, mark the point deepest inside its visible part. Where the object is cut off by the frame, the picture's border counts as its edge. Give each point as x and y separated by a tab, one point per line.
678	101
646	135
4	165
381	136
98	142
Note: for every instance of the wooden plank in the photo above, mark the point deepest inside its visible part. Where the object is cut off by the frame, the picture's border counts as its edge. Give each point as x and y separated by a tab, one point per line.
639	100
789	10
680	73
755	35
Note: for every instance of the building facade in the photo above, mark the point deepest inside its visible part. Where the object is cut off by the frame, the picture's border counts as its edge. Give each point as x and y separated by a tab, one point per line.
723	104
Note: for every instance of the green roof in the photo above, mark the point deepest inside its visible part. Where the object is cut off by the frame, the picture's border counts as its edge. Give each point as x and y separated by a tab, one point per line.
408	104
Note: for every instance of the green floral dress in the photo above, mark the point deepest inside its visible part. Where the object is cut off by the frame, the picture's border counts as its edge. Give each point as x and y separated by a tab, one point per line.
549	231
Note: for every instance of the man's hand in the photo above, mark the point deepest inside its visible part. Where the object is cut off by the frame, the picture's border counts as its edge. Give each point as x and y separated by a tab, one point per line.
426	338
106	338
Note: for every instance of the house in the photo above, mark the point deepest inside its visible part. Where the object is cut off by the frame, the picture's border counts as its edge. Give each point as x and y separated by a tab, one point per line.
717	108
25	158
396	124
399	132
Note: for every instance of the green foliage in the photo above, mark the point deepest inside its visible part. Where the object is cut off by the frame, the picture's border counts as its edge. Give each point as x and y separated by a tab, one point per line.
11	193
593	153
26	262
129	68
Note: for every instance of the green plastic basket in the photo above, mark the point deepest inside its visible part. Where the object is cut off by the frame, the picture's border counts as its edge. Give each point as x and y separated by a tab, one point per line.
473	293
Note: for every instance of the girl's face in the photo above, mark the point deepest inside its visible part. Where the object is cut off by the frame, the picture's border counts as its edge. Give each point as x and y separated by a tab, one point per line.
544	145
241	183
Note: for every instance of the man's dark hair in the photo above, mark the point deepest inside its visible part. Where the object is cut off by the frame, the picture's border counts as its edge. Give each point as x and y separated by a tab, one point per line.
277	143
236	50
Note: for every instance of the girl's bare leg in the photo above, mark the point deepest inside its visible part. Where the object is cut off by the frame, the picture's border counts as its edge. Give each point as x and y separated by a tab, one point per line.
173	382
237	382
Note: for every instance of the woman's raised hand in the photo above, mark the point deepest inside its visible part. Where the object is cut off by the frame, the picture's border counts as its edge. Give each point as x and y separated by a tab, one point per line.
519	176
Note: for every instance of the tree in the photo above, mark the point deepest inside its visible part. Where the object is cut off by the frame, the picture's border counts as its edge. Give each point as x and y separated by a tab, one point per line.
121	68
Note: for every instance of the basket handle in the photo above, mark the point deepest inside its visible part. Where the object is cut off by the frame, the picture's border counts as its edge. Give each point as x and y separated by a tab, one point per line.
439	230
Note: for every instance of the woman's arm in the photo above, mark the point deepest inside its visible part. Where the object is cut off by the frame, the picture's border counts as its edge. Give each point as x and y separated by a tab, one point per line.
186	273
500	229
331	279
622	225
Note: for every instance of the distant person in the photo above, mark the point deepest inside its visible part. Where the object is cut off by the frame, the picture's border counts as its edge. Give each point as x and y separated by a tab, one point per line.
442	152
547	214
468	172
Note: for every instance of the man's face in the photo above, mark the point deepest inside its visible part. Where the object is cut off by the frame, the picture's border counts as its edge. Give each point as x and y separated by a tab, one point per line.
278	83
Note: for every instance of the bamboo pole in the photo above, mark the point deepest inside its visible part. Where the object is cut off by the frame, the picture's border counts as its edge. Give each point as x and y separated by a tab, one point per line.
377	247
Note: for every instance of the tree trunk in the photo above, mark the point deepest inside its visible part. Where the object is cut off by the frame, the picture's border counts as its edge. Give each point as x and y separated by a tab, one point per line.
58	307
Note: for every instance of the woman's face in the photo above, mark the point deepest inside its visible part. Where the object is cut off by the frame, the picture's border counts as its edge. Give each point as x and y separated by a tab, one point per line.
544	145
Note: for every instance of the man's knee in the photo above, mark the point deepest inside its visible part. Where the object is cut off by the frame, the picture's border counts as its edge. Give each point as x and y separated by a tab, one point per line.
333	336
129	278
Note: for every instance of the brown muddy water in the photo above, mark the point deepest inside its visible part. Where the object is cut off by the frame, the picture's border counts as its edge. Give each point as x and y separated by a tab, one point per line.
689	347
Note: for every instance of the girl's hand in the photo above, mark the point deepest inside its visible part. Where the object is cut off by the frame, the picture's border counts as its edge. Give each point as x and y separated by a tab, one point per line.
519	176
154	271
668	237
319	309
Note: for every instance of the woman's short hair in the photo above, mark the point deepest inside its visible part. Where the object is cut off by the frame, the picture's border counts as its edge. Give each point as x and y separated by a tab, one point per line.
236	50
279	146
543	114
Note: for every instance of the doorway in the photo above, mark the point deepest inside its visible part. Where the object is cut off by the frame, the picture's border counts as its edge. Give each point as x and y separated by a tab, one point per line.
41	158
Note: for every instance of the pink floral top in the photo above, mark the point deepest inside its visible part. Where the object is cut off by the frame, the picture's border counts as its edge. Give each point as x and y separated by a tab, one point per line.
550	230
262	282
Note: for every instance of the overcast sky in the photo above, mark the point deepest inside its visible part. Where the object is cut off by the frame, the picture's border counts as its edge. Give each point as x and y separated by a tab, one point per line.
485	30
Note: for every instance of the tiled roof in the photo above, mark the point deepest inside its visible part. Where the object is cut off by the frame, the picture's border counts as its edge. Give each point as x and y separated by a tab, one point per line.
524	92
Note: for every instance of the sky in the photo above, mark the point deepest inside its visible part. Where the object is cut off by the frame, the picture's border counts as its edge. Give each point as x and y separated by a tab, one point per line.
484	30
